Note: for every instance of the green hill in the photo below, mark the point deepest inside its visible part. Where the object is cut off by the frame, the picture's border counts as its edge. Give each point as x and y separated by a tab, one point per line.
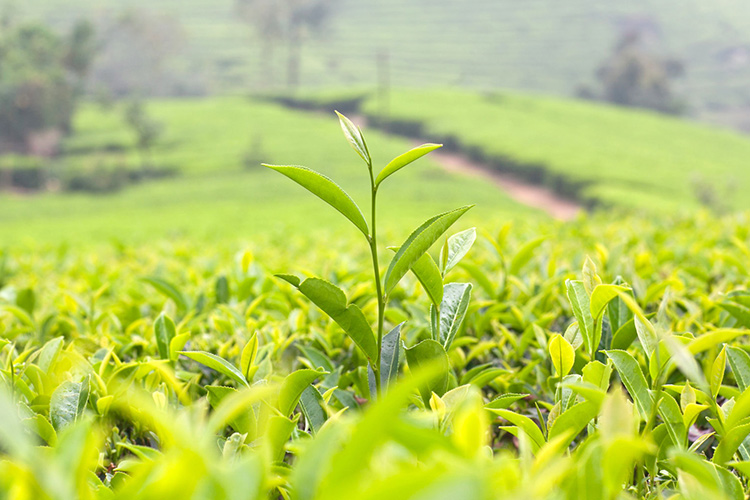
538	45
596	153
215	196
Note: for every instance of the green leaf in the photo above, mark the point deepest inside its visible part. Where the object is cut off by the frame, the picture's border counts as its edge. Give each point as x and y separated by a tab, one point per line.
739	361
597	374
573	420
717	372
164	332
524	255
729	443
218	364
418	243
453	310
249	353
49	353
19	313
169	290
327	190
504	401
332	300
427	353
177	344
618	312
222	290
68	402
311	403
354	135
524	423
562	354
428	274
293	386
602	296
389	357
632	376
244	422
672	416
590	278
403	160
581	305
456	248
277	434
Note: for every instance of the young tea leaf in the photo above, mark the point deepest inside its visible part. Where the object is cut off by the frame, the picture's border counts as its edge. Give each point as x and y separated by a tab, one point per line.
418	243
327	190
717	372
632	376
164	331
562	355
218	364
354	135
456	248
453	310
293	386
403	160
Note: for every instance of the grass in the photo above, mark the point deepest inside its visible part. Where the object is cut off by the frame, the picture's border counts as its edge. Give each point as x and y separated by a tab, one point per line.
539	45
214	195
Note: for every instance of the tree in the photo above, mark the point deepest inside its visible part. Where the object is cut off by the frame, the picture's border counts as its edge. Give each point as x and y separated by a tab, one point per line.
40	80
147	130
143	53
633	76
285	21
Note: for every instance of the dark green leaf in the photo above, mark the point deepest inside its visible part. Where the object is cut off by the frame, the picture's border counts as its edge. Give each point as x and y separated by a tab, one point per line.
427	353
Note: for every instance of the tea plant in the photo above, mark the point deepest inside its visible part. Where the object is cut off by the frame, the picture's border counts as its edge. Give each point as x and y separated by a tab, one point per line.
449	302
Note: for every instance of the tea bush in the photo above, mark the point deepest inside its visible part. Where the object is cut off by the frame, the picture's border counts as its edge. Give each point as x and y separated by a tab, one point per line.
603	358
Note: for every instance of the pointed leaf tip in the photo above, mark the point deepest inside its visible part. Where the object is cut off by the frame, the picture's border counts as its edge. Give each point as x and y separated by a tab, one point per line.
354	135
405	159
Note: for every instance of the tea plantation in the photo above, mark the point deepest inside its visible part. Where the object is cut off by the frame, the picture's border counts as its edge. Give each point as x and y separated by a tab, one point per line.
226	335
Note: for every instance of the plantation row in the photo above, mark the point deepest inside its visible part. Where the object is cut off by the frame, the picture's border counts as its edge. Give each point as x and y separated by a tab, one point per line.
509	365
189	371
599	155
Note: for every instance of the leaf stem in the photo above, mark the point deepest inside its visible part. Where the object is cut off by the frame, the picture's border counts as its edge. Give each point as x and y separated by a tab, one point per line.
376	270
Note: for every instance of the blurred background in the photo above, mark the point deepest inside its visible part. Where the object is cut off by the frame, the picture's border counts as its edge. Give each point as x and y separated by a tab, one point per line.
128	119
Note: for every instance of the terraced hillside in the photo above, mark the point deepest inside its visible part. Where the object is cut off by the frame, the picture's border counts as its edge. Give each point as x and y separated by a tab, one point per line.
536	44
596	153
216	145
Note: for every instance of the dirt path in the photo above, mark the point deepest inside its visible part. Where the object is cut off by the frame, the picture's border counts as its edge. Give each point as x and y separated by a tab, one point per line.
522	191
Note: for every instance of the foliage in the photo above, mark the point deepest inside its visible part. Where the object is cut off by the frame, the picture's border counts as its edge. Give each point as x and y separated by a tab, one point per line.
632	76
40	77
147	130
447	310
597	154
189	369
